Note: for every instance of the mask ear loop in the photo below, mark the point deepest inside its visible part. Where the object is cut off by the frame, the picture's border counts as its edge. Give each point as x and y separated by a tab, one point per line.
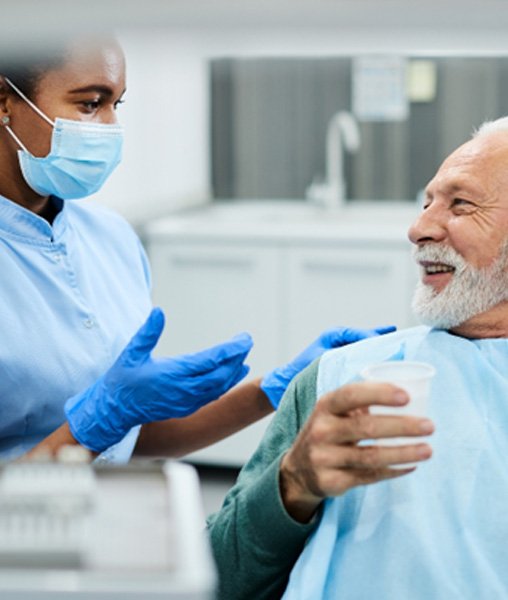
30	103
16	139
33	107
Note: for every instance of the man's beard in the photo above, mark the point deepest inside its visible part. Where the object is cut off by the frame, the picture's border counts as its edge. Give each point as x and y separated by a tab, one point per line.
470	292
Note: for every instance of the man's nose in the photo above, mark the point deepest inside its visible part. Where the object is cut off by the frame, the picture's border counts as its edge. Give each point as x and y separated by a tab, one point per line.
430	226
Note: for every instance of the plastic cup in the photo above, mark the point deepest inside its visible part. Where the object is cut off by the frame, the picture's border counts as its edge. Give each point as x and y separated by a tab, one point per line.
413	377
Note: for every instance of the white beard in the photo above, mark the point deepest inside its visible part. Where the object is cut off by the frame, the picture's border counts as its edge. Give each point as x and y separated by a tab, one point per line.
470	292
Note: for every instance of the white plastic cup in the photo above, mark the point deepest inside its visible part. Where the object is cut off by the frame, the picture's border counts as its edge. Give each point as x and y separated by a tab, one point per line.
414	378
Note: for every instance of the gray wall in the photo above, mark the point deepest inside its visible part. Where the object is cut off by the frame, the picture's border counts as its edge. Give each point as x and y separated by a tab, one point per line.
269	119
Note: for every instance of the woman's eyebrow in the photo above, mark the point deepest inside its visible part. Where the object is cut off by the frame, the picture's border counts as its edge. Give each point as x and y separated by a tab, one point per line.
102	89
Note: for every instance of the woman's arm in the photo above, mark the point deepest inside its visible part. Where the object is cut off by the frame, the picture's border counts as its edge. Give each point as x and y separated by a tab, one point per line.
52	444
243	405
239	407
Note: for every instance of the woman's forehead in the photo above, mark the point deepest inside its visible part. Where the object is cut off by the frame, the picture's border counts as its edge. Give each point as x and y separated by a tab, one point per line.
95	61
88	50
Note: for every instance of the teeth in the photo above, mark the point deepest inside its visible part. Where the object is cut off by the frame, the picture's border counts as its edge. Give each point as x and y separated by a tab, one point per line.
431	269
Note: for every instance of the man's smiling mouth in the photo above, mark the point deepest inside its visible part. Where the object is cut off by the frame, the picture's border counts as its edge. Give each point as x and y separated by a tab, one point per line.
432	268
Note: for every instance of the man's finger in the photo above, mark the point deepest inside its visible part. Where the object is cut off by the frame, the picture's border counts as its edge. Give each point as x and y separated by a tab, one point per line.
357	395
373	427
375	458
339	481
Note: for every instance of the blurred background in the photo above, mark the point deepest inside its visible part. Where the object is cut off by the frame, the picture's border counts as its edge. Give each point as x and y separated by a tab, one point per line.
259	209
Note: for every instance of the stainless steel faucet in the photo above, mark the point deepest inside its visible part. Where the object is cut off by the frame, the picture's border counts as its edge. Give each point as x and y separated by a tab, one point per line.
342	134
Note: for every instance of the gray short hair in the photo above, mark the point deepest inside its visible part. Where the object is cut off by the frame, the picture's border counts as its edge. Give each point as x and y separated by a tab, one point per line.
487	127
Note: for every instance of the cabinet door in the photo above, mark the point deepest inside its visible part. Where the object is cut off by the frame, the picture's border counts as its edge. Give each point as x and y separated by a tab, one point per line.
209	292
345	286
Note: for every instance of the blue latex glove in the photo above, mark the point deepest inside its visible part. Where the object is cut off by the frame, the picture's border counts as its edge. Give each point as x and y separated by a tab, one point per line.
139	389
274	384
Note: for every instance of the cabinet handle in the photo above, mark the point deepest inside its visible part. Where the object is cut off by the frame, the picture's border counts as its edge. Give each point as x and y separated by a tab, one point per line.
211	262
345	267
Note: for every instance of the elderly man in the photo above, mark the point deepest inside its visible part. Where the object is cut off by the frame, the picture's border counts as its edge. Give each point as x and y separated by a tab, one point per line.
437	531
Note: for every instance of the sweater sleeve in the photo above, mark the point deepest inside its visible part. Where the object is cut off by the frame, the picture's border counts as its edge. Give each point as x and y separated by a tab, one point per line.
254	540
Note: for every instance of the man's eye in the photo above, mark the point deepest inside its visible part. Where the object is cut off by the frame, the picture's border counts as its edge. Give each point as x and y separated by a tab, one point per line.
463	205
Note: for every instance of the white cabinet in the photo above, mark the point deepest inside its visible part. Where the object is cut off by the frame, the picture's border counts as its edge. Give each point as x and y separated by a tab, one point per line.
346	285
283	282
209	292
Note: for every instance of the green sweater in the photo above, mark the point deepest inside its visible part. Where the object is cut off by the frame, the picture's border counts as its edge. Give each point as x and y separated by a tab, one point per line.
254	540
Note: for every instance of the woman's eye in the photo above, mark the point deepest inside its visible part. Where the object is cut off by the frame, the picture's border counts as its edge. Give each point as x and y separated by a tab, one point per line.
91	105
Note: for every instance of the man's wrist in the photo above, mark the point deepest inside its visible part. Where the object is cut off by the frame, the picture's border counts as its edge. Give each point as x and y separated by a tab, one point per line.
299	502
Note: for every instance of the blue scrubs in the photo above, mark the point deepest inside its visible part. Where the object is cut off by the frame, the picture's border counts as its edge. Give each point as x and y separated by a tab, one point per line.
442	531
73	293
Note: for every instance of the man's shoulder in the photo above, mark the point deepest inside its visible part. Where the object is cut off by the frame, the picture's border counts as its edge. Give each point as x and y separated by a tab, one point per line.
382	345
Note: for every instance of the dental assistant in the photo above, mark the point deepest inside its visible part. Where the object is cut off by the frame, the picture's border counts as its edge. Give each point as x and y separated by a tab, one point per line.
76	317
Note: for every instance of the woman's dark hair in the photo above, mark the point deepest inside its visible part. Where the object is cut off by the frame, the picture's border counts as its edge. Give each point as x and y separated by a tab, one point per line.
25	72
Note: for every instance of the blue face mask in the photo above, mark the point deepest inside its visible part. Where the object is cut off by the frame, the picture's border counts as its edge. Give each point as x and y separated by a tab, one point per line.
82	156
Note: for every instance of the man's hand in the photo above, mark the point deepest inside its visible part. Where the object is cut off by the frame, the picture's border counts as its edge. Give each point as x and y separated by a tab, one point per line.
326	460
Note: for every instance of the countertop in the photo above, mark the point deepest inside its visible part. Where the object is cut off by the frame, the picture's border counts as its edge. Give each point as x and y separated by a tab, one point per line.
285	222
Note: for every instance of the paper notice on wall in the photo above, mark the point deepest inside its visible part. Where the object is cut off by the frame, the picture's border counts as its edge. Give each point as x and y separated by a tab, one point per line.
422	81
379	88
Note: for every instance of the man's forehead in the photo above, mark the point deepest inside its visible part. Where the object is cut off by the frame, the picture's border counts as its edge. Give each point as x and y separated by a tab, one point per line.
478	162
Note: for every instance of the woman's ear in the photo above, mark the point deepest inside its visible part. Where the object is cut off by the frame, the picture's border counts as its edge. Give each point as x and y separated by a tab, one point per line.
5	101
